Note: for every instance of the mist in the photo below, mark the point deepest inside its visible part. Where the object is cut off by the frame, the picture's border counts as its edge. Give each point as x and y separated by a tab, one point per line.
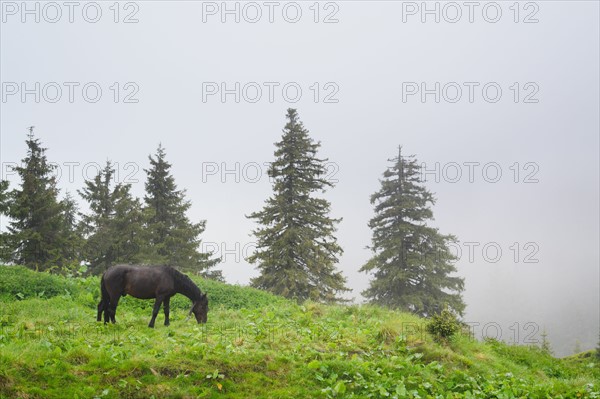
498	101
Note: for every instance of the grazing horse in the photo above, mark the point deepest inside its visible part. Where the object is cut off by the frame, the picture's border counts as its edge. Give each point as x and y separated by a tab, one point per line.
147	282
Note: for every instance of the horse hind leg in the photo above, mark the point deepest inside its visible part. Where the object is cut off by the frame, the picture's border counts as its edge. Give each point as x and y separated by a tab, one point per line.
104	304
111	310
101	309
107	312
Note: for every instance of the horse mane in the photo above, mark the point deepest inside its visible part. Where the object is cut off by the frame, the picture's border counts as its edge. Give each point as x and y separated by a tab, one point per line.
182	281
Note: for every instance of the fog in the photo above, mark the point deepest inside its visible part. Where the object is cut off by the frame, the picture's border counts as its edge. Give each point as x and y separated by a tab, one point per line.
499	101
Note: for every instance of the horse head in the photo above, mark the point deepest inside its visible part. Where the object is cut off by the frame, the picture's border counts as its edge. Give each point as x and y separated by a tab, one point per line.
200	309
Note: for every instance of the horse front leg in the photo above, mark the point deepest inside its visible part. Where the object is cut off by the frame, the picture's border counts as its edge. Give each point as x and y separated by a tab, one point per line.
166	309
157	303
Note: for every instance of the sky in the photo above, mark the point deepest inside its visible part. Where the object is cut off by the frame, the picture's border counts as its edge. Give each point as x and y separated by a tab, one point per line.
499	102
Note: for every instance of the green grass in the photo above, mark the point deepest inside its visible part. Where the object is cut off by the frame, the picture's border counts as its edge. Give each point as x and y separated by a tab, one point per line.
254	345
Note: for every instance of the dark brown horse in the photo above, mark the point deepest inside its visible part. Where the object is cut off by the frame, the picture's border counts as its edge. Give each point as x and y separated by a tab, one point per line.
147	282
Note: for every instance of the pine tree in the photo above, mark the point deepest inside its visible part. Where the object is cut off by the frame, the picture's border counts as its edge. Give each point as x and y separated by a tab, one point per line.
296	250
113	227
412	263
36	231
173	238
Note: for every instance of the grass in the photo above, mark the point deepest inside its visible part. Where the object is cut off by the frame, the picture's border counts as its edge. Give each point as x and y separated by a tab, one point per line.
254	345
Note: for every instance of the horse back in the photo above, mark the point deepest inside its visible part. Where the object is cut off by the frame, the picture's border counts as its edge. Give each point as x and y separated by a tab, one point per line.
143	282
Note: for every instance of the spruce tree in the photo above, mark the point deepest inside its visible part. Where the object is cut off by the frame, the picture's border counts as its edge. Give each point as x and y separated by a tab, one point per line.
113	226
545	344
71	228
37	228
173	238
4	197
412	263
296	250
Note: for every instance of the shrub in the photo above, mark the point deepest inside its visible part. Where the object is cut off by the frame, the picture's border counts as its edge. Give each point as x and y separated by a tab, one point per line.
20	282
443	325
236	297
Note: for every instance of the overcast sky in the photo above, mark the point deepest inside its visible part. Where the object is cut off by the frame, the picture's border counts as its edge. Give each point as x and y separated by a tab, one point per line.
500	102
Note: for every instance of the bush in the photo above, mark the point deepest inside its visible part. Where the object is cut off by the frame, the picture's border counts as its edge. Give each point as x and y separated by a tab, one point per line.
236	297
443	325
20	282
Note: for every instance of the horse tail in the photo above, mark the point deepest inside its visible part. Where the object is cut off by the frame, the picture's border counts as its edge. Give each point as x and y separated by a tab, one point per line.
104	301
104	291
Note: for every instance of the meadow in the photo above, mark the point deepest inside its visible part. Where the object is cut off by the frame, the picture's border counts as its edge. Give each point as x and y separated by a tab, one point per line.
255	345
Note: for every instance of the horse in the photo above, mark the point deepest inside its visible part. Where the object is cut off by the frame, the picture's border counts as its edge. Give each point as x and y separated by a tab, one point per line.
147	282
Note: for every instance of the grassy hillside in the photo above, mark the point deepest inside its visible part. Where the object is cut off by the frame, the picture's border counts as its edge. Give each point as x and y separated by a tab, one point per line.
254	346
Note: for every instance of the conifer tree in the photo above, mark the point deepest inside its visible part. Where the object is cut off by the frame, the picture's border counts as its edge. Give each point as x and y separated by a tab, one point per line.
412	263
4	197
545	344
70	211
173	238
37	228
296	250
113	227
74	238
